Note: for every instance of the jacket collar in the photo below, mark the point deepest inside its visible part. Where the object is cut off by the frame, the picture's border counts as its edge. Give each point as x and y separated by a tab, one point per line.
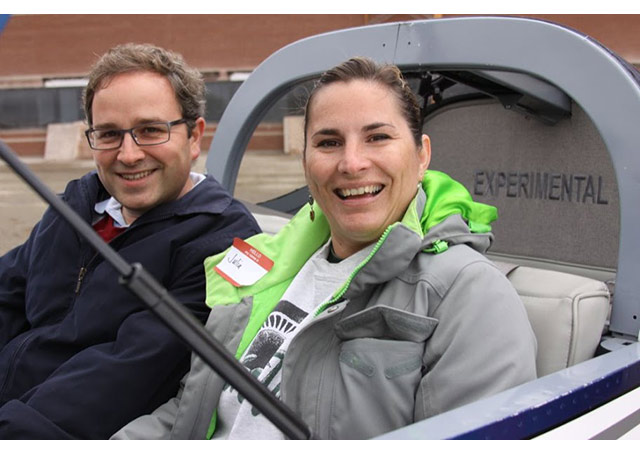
207	197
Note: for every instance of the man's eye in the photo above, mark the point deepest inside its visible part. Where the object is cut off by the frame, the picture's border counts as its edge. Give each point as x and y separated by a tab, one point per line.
149	130
107	134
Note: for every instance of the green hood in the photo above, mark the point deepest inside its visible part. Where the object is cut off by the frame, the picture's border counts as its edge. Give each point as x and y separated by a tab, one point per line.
445	196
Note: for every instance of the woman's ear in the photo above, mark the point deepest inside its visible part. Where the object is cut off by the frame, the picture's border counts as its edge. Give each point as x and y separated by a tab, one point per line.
304	165
424	154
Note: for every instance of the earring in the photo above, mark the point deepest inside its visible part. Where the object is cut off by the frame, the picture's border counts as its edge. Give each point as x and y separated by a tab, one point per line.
312	214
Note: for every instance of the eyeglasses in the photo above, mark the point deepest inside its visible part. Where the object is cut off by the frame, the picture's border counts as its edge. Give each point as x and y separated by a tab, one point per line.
154	133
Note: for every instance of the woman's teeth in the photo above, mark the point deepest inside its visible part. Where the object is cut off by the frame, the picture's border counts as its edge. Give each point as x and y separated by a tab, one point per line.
372	189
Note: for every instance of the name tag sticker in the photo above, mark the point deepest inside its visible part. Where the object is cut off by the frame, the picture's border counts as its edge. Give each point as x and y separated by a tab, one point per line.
243	265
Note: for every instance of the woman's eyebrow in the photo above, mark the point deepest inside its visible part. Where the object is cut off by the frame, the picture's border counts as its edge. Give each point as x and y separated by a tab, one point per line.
377	125
334	131
325	132
105	126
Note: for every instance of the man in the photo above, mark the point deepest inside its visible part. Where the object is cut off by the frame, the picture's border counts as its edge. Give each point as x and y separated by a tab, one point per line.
80	356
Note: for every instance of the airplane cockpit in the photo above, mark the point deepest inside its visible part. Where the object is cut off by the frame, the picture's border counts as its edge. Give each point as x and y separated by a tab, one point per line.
539	121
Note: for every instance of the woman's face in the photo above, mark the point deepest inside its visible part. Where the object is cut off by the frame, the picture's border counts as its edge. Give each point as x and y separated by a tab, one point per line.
361	161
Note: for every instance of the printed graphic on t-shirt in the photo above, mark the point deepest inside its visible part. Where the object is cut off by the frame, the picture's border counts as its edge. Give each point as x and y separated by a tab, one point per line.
312	287
263	352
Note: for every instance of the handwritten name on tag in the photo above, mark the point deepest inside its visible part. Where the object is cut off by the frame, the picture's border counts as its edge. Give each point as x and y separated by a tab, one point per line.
243	265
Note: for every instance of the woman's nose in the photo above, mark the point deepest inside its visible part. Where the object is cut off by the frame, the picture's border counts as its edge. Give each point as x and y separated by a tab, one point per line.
353	159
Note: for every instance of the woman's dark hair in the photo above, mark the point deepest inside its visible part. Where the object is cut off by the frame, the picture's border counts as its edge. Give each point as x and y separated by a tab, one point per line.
363	68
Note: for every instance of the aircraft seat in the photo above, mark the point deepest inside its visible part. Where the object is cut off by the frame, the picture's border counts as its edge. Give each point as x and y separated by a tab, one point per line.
567	313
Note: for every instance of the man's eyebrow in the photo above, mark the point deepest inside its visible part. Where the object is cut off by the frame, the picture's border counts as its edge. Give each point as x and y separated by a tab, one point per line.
142	121
138	122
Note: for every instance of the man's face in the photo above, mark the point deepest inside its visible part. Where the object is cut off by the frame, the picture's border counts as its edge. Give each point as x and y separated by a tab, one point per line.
142	177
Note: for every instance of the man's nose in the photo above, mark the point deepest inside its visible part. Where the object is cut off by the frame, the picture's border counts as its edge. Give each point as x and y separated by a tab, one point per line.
130	152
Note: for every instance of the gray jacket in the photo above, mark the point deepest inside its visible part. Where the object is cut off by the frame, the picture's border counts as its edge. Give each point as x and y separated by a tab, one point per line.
415	334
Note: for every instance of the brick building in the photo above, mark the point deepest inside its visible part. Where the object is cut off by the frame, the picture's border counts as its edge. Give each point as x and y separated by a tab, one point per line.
43	56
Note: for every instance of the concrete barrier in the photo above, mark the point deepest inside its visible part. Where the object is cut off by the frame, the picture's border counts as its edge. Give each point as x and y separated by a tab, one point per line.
293	132
66	141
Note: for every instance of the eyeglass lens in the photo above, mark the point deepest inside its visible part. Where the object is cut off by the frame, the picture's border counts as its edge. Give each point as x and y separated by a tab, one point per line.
147	134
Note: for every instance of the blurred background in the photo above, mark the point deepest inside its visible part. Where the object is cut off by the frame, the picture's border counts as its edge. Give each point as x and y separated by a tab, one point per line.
45	59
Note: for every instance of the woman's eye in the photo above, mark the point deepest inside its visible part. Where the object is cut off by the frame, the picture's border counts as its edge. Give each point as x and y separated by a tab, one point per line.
378	137
328	143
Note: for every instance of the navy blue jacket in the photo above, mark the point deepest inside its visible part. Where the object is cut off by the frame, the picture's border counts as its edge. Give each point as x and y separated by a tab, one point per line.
80	356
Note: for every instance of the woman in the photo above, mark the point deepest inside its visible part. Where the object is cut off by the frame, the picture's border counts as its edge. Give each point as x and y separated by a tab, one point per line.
377	308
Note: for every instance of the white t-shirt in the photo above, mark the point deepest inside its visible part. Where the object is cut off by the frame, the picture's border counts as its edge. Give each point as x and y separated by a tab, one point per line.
314	284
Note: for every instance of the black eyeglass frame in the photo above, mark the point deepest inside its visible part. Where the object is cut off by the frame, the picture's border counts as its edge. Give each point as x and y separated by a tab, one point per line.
122	132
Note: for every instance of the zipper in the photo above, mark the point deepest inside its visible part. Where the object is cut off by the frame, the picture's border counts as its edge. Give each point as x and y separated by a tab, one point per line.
112	243
437	247
337	296
83	271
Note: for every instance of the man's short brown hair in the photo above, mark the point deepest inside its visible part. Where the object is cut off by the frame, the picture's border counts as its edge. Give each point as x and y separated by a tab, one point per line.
187	82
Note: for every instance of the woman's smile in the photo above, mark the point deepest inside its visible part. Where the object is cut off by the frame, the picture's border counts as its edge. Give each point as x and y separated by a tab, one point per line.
359	192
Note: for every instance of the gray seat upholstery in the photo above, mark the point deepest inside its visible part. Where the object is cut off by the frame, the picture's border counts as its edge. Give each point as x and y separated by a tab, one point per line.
567	313
269	223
